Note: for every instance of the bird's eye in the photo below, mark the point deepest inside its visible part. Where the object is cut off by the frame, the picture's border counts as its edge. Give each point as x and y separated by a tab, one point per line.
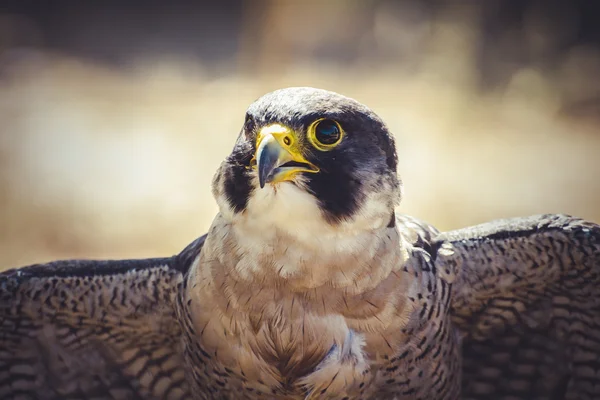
325	134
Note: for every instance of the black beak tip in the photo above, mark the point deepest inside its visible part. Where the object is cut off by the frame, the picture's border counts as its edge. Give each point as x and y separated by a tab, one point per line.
264	170
267	161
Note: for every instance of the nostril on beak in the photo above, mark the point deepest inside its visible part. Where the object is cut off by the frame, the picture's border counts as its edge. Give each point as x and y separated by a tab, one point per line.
287	140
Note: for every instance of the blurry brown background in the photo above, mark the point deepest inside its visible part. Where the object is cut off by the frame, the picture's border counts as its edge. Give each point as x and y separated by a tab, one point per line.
114	115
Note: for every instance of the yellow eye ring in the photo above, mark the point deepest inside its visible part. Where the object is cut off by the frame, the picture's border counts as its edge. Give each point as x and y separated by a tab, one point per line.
324	134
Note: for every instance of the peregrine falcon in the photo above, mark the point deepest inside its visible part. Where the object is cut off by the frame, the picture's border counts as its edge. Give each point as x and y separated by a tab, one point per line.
308	285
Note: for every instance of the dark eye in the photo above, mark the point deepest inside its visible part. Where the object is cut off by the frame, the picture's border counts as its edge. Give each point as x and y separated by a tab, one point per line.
327	132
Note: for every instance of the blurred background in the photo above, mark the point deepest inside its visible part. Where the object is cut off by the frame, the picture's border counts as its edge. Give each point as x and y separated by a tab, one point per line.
115	115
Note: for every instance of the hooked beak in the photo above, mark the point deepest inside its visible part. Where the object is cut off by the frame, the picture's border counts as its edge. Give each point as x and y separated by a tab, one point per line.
278	155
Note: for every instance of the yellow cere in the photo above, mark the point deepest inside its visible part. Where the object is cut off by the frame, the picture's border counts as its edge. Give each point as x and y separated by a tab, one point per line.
285	136
291	150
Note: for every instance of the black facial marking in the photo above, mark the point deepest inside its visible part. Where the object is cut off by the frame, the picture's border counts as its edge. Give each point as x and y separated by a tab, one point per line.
236	174
362	162
337	189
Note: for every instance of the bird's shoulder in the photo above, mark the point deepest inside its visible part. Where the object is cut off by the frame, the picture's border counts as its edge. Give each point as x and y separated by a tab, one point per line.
525	299
118	288
415	231
122	314
101	270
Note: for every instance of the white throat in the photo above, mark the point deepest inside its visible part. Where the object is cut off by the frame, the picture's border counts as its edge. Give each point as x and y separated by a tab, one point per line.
283	235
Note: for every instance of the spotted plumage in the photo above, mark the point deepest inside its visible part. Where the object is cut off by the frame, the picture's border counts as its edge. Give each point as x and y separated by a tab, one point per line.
308	285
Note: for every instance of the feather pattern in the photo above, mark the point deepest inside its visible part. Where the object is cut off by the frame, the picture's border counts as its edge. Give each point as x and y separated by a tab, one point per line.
527	303
101	329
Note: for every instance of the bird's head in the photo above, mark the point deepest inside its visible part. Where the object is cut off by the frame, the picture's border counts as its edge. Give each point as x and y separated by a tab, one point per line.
313	161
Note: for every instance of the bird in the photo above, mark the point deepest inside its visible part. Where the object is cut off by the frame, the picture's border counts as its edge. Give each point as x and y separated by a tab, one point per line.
310	285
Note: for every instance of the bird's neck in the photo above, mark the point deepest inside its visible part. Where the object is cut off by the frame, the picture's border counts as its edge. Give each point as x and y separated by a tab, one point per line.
350	262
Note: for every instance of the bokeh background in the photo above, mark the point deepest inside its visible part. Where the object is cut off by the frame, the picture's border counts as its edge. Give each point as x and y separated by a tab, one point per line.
114	115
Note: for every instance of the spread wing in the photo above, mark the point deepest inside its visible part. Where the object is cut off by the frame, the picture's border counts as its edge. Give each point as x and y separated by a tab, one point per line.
93	329
527	301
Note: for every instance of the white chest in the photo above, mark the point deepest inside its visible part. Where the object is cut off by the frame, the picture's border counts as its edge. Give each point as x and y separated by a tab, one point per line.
284	347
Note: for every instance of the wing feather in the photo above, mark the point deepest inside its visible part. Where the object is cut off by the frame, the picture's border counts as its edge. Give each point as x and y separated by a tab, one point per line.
527	302
101	329
418	233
